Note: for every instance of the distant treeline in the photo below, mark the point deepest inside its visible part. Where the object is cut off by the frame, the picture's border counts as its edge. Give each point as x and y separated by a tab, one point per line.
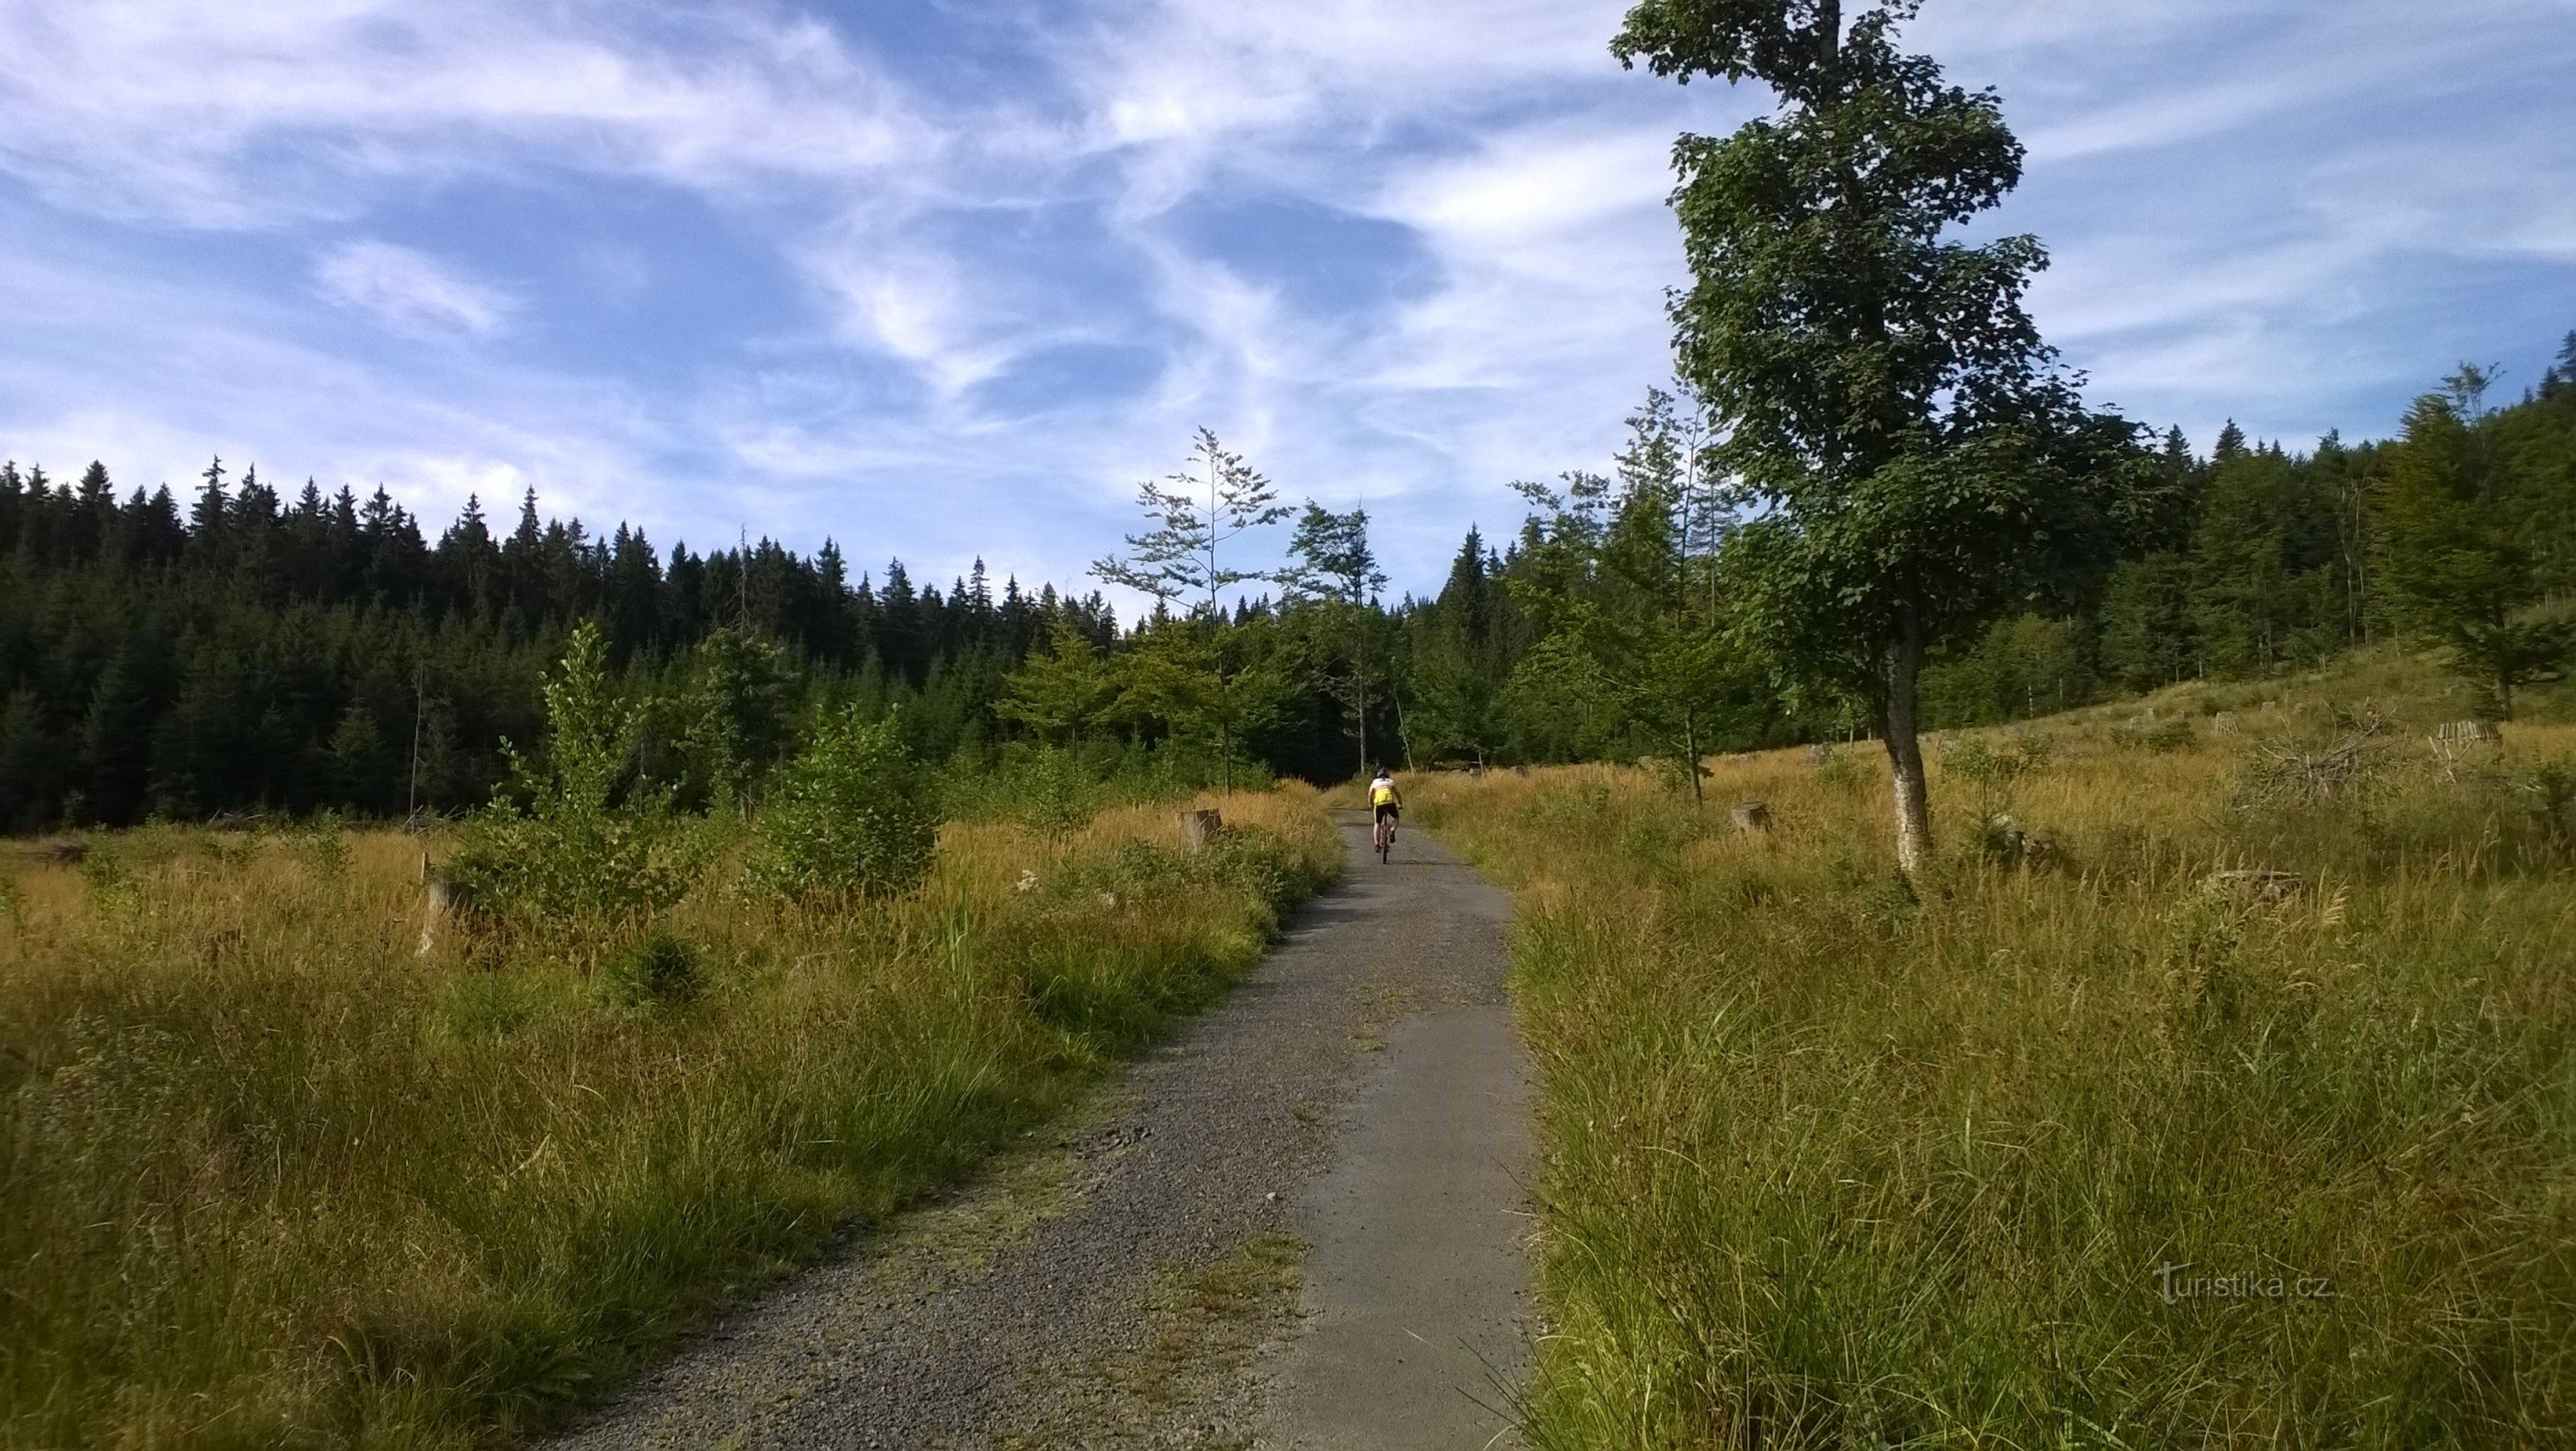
252	653
2279	560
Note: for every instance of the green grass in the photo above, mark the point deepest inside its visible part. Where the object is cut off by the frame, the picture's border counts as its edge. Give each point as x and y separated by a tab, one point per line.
269	1177
1832	1162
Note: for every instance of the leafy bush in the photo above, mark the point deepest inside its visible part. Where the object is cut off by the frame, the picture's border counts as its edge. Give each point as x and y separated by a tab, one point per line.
853	816
659	967
572	845
1053	788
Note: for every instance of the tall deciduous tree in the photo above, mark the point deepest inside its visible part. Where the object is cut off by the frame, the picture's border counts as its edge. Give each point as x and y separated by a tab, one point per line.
1213	500
1917	461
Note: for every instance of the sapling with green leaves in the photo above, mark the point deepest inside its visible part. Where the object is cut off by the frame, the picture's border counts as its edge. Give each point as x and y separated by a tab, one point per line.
578	841
853	816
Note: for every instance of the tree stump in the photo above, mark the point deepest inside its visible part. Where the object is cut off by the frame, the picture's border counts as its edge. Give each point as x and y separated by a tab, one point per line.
448	899
1750	816
1819	753
1199	827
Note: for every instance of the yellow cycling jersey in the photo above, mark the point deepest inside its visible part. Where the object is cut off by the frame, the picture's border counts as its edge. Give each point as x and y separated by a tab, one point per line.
1382	795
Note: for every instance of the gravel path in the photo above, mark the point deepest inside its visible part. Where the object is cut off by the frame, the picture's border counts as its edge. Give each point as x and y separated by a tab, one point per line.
1297	1223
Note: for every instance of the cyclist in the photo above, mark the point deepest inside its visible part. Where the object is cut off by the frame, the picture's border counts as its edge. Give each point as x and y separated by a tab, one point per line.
1388	804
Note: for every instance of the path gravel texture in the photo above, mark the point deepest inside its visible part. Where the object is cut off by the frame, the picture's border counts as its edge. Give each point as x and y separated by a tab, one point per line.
1299	1223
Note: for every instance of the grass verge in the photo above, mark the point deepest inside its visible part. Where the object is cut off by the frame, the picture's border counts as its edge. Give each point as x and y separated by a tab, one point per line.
2074	1142
269	1176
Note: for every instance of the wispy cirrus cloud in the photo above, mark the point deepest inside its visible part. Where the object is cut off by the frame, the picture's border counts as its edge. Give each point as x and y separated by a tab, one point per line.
412	291
227	115
947	280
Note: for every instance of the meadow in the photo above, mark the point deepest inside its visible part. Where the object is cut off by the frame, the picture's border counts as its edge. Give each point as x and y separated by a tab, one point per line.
271	1175
2217	1087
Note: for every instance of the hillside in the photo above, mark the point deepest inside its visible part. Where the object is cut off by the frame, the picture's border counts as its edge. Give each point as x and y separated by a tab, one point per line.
2215	1085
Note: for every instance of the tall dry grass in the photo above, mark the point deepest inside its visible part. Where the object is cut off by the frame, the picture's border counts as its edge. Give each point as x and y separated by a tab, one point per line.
2064	1147
270	1178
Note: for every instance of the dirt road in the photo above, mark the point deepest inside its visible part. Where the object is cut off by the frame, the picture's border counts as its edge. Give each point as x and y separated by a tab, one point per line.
1299	1223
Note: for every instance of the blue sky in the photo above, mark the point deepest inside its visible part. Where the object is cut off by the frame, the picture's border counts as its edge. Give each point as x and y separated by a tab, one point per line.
946	279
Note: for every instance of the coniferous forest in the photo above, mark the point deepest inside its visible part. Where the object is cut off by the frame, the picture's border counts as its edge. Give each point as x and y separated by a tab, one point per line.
249	651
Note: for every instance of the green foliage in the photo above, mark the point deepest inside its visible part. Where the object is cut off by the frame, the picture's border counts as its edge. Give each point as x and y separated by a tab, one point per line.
2148	731
1062	692
734	717
1331	585
657	968
1057	788
1832	1159
1994	768
1641	627
260	653
2548	790
853	816
2019	667
1876	382
1181	555
323	844
2457	562
2146	638
576	844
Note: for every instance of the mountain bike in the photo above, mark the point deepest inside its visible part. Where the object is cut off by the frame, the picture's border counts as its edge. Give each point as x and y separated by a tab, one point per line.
1384	840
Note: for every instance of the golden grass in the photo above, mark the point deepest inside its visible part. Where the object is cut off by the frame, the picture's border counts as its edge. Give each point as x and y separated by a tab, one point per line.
1831	1162
270	1177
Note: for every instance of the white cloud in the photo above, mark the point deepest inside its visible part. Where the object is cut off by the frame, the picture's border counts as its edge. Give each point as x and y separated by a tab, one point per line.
217	113
412	291
2220	182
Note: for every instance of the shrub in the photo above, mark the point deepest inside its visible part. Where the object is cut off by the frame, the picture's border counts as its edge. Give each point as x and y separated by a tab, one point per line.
1049	787
853	816
659	967
572	845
